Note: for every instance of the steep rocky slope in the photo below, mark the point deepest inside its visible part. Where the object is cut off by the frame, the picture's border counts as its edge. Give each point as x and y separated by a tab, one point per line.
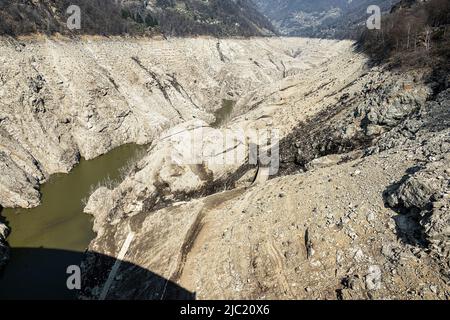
157	180
56	107
358	209
135	17
337	19
63	99
362	214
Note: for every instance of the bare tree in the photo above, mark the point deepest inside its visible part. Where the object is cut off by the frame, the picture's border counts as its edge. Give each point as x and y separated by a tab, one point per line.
428	31
408	37
415	41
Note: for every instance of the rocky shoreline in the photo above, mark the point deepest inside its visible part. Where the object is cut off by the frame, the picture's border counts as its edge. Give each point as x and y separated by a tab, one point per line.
62	99
358	210
56	106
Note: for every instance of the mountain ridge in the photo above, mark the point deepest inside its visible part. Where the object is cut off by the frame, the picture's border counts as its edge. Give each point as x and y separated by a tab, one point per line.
338	19
220	18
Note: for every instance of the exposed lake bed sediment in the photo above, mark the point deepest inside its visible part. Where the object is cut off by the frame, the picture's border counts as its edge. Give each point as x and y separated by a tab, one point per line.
347	216
58	225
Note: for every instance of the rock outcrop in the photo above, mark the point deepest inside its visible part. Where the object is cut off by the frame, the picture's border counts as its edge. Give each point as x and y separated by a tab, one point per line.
422	196
375	103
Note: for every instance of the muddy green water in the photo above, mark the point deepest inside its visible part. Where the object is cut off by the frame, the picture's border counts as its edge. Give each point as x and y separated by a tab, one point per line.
223	114
46	239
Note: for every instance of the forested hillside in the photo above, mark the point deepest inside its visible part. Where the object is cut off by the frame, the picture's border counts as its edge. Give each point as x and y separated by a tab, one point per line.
135	17
415	33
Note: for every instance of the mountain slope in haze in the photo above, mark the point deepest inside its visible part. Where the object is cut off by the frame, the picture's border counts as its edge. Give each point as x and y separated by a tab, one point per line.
321	18
135	17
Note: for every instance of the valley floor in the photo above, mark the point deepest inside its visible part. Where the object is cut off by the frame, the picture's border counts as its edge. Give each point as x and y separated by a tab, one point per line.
359	208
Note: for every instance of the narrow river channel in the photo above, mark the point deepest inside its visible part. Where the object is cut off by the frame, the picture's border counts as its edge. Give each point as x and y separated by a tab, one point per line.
46	240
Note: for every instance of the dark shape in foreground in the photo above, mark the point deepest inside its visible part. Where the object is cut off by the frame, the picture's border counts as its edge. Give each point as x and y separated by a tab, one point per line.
46	278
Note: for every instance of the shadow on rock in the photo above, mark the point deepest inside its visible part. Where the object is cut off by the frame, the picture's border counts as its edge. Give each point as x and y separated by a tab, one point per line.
41	274
407	223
